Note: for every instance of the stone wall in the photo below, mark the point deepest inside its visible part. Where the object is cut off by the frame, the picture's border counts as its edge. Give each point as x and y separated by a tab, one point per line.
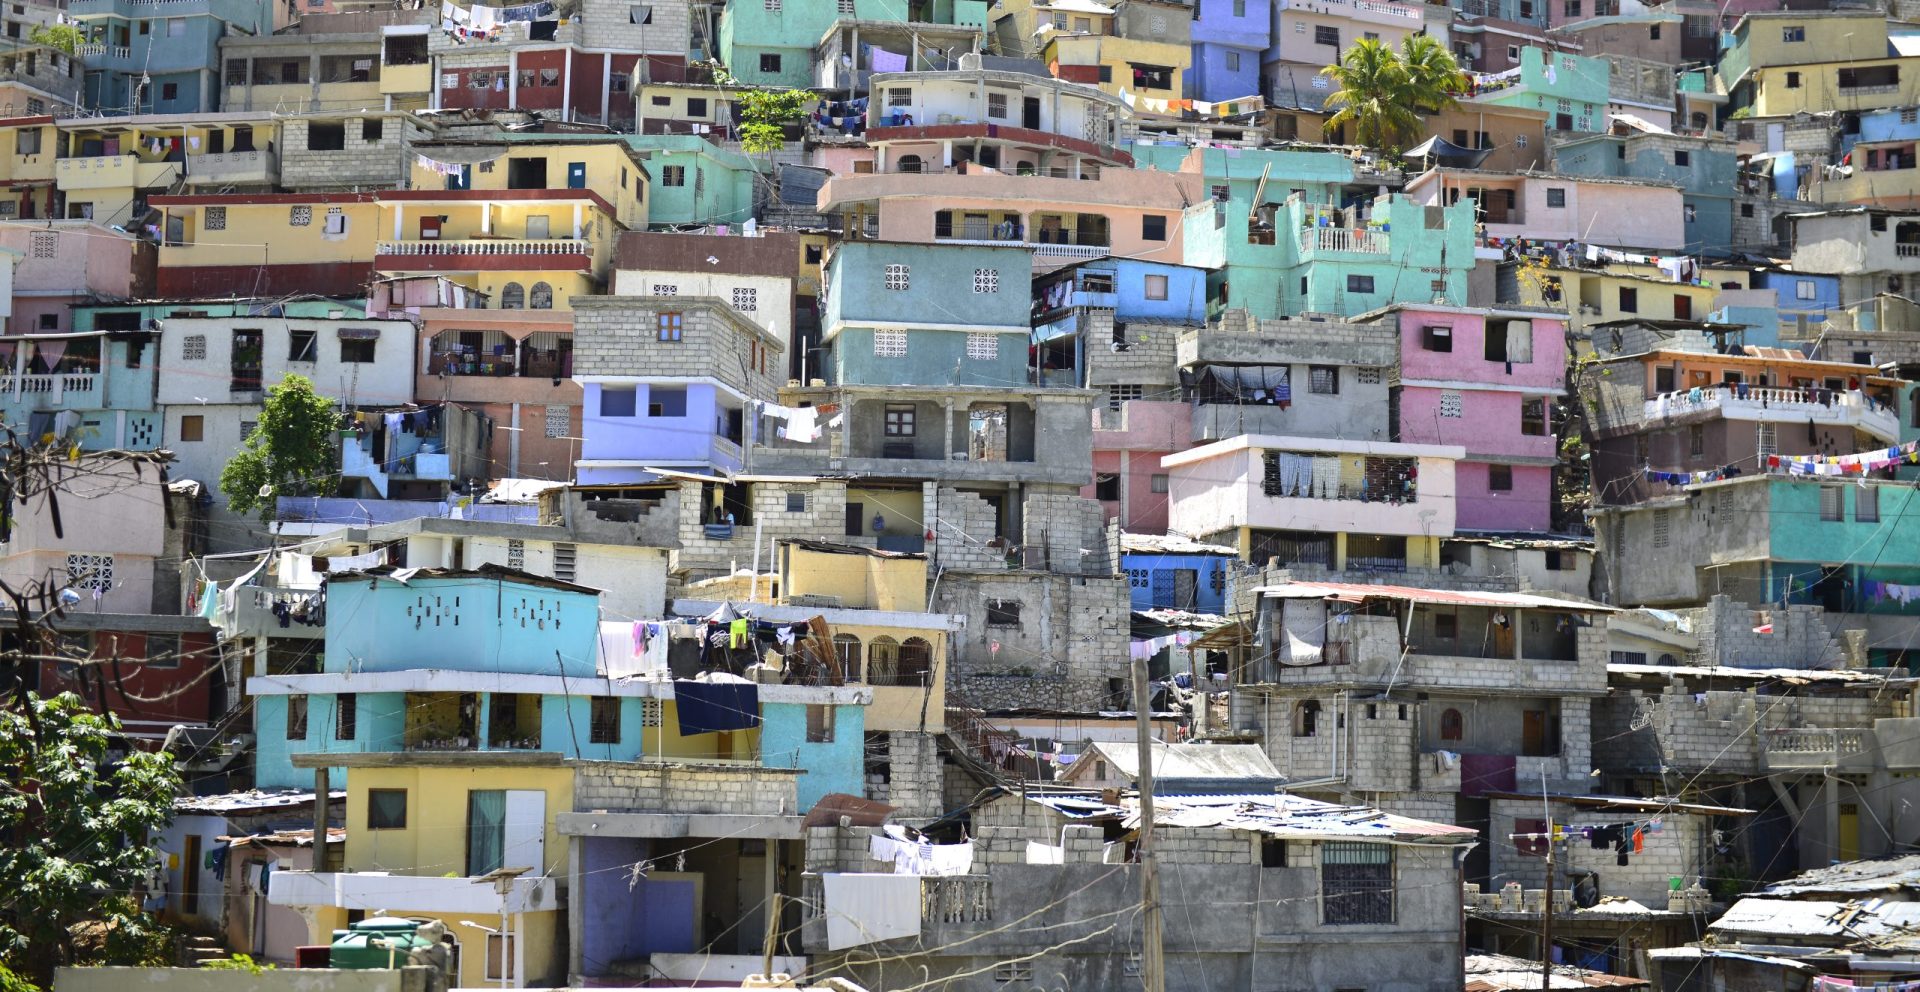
913	781
1148	358
1064	532
1800	637
680	787
382	162
619	335
1067	626
964	526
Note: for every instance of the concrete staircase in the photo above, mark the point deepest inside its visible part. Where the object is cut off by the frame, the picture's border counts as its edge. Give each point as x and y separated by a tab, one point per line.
197	950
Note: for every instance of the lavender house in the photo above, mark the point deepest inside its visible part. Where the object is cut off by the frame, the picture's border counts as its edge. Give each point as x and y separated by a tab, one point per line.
1486	380
1228	39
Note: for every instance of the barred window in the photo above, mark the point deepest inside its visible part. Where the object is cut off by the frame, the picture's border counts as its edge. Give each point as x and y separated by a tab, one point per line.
746	300
605	720
1118	394
90	572
889	344
986	280
649	712
559	420
1450	405
300	216
983	347
898	276
193	348
1356	883
44	245
216	218
1324	379
665	289
516	554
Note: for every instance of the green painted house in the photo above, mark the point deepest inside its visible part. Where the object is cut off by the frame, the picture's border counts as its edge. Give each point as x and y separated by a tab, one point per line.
1573	89
693	181
771	42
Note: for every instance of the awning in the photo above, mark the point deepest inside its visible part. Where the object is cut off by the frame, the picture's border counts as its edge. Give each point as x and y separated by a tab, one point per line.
1446	154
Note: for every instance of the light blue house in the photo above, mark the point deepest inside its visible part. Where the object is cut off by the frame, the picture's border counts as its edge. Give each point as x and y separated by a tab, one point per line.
1802	303
1229	39
495	660
926	315
95	387
1131	291
148	59
1171	573
694	181
1705	169
771	43
1880	125
1573	89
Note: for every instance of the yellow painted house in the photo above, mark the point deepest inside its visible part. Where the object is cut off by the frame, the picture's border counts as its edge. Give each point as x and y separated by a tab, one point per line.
28	147
1151	69
108	167
217	244
424	829
1619	292
1782	63
531	224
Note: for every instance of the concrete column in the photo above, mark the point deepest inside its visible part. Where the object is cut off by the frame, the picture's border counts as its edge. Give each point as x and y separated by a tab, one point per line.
513	78
576	908
1832	799
321	789
1519	634
513	443
576	222
947	425
1126	476
399	220
486	217
606	88
433	86
566	89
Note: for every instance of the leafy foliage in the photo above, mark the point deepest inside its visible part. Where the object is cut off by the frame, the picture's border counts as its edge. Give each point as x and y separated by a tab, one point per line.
75	824
764	115
290	453
1382	92
238	962
65	37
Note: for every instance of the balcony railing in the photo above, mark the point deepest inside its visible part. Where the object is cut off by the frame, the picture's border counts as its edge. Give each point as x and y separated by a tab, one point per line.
484	247
1774	403
1907	251
956	899
55	385
1362	240
1819	748
95	48
1040	249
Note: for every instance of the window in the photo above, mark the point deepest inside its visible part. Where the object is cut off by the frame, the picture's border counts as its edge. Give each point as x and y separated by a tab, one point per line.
997	105
1233	61
1157	483
1359	284
1830	505
986	280
299	216
1653	32
666	401
1696	440
193	427
603	720
346	716
357	352
1356	883
1153	227
324	137
1156	287
1766	439
1804	289
1682	159
746	299
1326	35
983	347
1324	379
769	62
673	175
296	718
1662	528
1499	478
899	277
1435	337
193	348
796	502
1451	406
27	142
890	344
819	724
899	419
1793	32
1793	80
302	345
386	809
667	326
372	129
1452	726
216	218
169	91
1556	197
615	402
1629	300
1746	210
1003	613
1866	505
1533	416
1306	718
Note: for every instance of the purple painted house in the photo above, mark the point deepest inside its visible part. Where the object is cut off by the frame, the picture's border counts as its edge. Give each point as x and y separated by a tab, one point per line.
1229	37
1487	380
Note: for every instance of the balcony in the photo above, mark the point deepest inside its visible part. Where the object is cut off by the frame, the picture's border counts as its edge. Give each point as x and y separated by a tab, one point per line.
404	79
492	254
1039	249
1813	749
113	172
413	893
1772	404
1351	240
252	168
54	387
952	900
97	49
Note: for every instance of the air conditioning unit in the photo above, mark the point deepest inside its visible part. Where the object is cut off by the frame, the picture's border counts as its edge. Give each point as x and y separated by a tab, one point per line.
970	61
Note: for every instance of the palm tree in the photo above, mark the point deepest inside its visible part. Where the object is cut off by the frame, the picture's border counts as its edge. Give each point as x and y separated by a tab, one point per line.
1382	92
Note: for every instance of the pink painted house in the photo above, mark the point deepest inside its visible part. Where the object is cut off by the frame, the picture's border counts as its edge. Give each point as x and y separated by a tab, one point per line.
1487	380
1128	443
63	262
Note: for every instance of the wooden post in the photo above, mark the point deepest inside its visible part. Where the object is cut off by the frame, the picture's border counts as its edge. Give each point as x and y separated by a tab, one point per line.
321	789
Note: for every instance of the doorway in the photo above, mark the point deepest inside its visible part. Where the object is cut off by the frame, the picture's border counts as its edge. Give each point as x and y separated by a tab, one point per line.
1030	113
190	877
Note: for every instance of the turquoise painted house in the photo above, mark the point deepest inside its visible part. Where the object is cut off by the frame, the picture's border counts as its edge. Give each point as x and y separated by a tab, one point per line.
693	181
771	42
146	59
1573	89
95	386
496	660
927	315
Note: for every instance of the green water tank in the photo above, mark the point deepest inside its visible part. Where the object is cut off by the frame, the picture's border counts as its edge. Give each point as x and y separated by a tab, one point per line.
380	942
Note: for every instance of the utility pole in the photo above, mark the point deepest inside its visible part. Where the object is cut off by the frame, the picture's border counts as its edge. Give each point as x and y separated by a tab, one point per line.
1546	904
1152	963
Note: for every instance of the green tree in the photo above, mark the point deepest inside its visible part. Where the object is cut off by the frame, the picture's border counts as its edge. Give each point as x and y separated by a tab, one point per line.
290	452
764	116
1383	92
74	824
64	37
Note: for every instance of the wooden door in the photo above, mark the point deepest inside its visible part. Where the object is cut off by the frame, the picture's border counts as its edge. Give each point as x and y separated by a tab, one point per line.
1533	732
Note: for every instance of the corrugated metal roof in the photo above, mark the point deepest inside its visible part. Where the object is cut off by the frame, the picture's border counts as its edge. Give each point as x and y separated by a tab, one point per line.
1356	592
1190	761
1839	922
1854	877
1169	544
1762	674
1502	973
250	801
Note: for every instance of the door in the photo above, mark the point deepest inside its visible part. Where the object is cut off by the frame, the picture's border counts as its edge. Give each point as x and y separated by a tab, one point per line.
856	515
1186	588
576	175
1030	113
1682	307
538	228
1848	843
1533	732
525	844
430	228
190	877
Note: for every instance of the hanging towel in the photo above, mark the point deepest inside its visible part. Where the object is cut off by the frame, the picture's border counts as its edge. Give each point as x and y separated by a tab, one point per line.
865	908
885	61
706	707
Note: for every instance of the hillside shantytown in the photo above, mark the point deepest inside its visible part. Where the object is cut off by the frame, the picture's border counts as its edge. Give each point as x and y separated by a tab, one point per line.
959	495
